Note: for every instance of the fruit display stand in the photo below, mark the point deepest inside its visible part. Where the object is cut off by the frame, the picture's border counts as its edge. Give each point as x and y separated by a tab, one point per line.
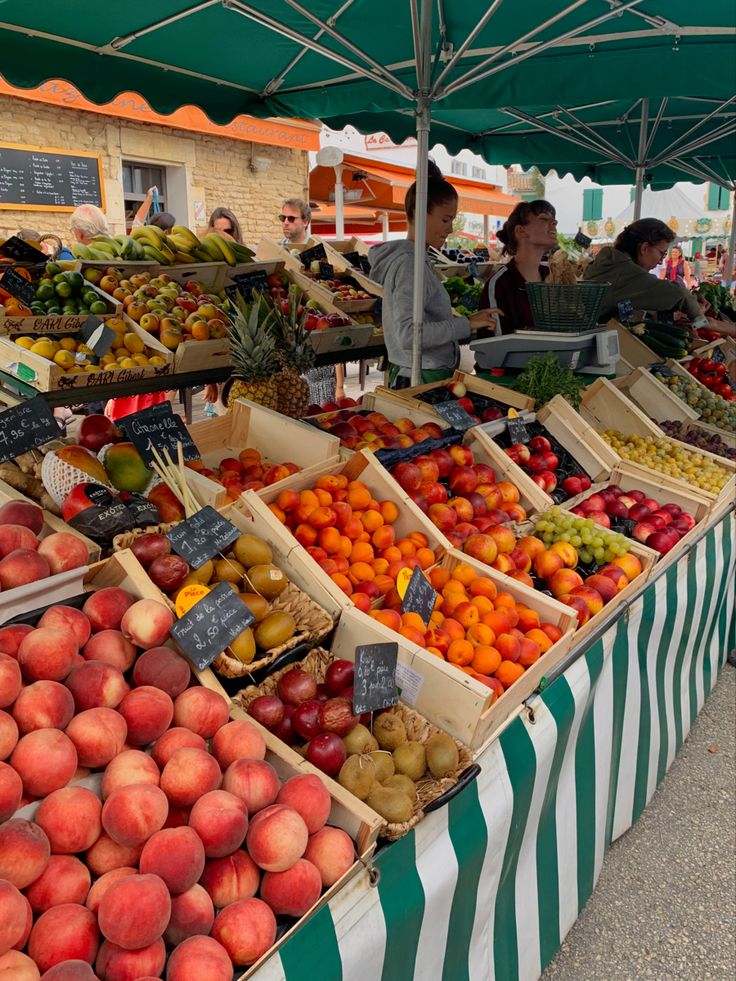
473	384
485	450
47	324
564	424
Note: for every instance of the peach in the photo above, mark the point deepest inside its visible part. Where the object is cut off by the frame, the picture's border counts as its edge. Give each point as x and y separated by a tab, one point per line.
247	930
201	710
163	668
95	684
277	838
578	604
293	892
564	581
221	821
616	574
10	637
11	791
117	964
231	878
188	775
309	797
98	734
21	567
10	680
238	740
175	855
45	760
147	623
15	966
47	655
101	885
172	740
43	705
63	551
28	925
105	608
8	735
148	712
131	815
127	768
64	880
63	933
192	913
481	547
66	618
630	565
24	852
134	912
22	513
71	971
332	852
14	916
547	563
106	855
71	819
254	781
13	537
591	597
110	647
568	553
199	958
603	585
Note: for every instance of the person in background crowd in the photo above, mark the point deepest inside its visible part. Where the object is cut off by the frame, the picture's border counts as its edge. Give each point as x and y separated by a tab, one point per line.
676	269
295	218
28	235
529	232
392	265
162	219
224	222
52	246
698	268
87	221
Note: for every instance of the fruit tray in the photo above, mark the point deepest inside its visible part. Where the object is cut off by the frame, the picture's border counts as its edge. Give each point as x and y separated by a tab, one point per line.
562	423
429	790
484	395
189	355
64	324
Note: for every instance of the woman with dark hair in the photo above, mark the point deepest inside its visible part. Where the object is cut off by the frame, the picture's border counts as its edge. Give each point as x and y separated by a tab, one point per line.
529	232
392	265
675	269
224	222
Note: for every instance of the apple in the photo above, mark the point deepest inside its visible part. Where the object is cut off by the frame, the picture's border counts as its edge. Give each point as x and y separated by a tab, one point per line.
651	504
642	531
674	509
572	486
615	509
662	541
639	512
657	522
96	431
537	464
664	515
585	481
684	522
540	444
627	500
593	503
550	480
552	460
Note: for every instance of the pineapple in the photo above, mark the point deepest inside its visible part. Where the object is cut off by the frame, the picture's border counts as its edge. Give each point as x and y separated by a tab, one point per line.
252	349
296	355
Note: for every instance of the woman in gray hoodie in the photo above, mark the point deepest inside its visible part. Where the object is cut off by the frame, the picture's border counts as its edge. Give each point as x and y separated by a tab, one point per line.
392	265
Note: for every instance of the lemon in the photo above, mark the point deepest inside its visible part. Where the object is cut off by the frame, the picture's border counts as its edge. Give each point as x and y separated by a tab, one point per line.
26	342
68	344
134	343
140	359
64	359
107	359
90	368
156	359
127	363
44	349
117	343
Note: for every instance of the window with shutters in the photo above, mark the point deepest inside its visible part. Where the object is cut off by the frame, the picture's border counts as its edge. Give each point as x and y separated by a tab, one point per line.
459	168
718	198
137	178
593	204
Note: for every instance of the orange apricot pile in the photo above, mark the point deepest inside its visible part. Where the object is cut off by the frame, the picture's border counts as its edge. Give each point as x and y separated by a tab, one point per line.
247	471
352	537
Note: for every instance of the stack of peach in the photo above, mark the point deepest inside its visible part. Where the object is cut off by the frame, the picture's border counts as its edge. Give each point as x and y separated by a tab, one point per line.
374	430
248	472
352	537
482	630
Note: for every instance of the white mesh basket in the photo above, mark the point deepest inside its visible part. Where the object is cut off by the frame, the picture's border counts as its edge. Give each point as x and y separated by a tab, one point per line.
59	478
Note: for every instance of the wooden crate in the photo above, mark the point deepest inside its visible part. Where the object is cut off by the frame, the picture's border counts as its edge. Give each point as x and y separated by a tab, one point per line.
51	523
65	324
125	266
654	398
211	275
189	355
579	439
633	349
385	402
506	396
448	697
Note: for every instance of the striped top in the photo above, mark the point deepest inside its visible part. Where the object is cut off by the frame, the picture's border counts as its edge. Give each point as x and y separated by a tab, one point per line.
506	289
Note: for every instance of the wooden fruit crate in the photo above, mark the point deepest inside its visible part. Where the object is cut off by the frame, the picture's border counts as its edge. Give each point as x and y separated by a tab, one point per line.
654	398
449	697
189	355
278	439
64	324
52	523
531	496
633	349
499	393
126	266
580	440
211	275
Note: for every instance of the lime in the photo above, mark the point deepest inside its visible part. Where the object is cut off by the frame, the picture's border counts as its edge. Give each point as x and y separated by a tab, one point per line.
89	296
59	278
53	268
63	290
45	291
75	279
98	306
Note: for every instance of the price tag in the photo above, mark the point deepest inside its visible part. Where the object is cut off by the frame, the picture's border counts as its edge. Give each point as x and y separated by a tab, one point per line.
18	286
582	240
353	258
97	336
374	682
326	271
16	248
625	311
158	427
207	628
518	433
420	597
248	282
202	536
455	415
317	253
26	426
365	265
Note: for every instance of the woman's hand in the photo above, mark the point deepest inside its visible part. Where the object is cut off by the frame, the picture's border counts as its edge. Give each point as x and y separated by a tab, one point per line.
484	318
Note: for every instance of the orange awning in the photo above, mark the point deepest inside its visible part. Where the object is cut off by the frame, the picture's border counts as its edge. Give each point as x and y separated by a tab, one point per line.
358	220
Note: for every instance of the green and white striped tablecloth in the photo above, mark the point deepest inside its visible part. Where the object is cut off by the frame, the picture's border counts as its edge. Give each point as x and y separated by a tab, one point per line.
488	887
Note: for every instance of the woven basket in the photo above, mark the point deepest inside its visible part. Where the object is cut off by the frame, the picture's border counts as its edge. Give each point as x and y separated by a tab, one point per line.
565	308
312	622
417	728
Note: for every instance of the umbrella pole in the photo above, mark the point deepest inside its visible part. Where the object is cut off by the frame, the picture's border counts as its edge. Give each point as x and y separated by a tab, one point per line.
640	162
728	271
339	204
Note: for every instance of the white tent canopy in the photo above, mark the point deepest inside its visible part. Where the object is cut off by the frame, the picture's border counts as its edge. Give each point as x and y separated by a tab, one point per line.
672	203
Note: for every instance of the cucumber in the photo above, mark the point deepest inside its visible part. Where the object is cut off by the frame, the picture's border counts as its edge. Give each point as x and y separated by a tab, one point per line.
665	350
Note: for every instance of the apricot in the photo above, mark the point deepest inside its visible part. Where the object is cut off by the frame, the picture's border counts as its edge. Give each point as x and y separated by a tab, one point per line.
486	660
332	852
540	637
95	684
63	933
246	929
163	668
231	878
45	760
176	855
201	710
114	963
46	654
71	819
508	672
131	815
64	880
238	740
110	647
43	705
192	913
188	775
98	735
127	768
148	712
460	652
135	911
173	739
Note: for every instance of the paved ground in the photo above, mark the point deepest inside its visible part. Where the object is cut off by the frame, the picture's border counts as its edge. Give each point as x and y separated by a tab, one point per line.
665	904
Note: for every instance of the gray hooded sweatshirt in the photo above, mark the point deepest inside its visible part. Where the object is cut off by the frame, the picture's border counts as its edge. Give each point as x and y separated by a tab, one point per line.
392	265
628	281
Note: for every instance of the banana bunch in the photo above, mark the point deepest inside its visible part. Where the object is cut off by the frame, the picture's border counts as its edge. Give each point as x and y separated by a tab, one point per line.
151	243
106	247
210	248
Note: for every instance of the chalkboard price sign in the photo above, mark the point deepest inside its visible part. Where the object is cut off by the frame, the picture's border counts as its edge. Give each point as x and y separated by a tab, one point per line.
582	240
15	248
202	536
97	336
353	258
248	282
31	177
420	597
158	427
518	433
317	253
455	415
625	311
26	426
374	682
365	265
211	624
18	286
326	271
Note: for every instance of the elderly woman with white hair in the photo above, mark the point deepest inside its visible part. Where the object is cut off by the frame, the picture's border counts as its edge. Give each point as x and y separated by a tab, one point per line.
86	222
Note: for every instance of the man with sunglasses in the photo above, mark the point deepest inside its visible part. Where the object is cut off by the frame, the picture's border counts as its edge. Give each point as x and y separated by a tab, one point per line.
295	217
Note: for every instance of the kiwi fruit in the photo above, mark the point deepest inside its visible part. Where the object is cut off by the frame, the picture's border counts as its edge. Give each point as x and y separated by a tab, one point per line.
358	775
384	764
359	740
251	550
411	759
243	647
268	580
400	781
274	630
201	575
442	755
393	806
258	605
389	730
229	570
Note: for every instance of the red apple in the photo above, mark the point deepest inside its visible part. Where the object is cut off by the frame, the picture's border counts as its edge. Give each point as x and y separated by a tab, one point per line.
96	431
662	541
540	444
407	475
572	486
639	512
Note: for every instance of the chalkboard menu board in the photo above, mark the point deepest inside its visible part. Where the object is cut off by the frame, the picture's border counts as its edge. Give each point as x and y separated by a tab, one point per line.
50	180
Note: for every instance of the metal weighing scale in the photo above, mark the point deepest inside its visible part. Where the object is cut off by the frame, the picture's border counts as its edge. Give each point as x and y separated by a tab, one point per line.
589	352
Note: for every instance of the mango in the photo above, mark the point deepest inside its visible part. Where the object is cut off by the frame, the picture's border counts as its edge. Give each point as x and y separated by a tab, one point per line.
169	506
126	469
84	460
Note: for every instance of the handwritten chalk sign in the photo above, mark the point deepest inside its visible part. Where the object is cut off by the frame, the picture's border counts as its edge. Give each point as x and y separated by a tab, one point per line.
213	623
326	270
317	253
24	427
158	428
201	537
420	597
249	282
518	433
625	311
374	682
97	336
455	415
18	286
15	248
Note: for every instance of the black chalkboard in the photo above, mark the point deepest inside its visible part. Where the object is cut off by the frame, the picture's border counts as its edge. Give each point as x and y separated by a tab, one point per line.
24	427
353	258
456	415
211	624
15	248
326	270
97	336
308	256
374	683
202	536
625	311
31	177
18	286
247	282
518	433
365	265
419	597
582	240
158	427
